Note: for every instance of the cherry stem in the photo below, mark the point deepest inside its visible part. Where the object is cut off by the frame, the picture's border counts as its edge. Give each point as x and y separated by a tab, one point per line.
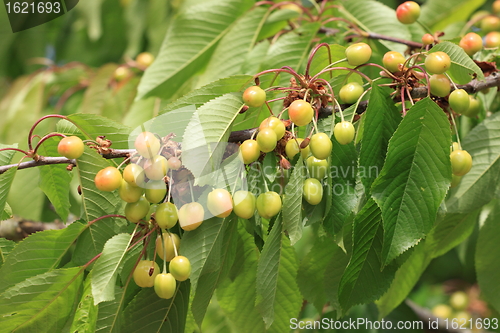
30	135
173	243
169	186
15	149
48	136
357	103
453	83
313	53
342	68
283	70
455	128
274	100
191	191
426	78
403	100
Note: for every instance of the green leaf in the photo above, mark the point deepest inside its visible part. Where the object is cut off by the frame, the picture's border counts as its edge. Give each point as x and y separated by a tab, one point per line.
205	138
373	16
229	55
55	180
321	60
95	204
149	313
477	188
415	177
237	296
107	268
37	254
363	280
187	45
438	14
450	232
6	247
292	202
41	303
6	180
463	68
405	279
278	296
381	120
97	92
6	213
6	155
86	312
486	259
333	274
110	313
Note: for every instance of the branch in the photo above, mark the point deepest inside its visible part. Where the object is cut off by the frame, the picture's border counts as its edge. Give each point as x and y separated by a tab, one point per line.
412	44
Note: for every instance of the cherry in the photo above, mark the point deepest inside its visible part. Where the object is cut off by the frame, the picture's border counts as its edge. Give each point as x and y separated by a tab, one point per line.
437	62
121	73
459	300
155	191
145	59
147	144
136	211
292	148
267	140
490	23
254	96
244	204
321	146
108	179
166	215
191	215
174	163
350	92
141	273
358	54
268	204
442	311
249	151
427	39
129	193
455	180
220	202
134	175
300	112
71	147
461	162
393	61
169	240
180	268
312	191
492	39
474	107
156	168
440	85
275	124
471	43
408	12
317	168
459	100
165	285
344	132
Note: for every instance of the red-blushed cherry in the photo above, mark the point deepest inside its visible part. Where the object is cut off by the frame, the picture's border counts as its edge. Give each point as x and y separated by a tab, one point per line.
191	216
108	179
174	163
147	144
490	23
393	61
249	151
165	285
71	147
275	124
300	112
471	43
142	272
492	39
427	39
244	204
220	202
254	96
169	241
408	12
166	215
180	268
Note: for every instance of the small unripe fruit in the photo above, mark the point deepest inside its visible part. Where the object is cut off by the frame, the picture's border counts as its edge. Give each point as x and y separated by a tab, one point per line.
440	85
490	23
437	62
121	73
459	101
136	211
442	311
492	39
495	7
344	132
393	61
275	124
321	146
129	193
459	300
268	204
165	285
312	191
145	59
254	96
292	148
147	144
71	147
461	162
350	92
108	179
267	140
474	107
427	39
141	273
358	54
471	43
134	175
191	215
249	151
408	12
300	112
174	163
180	268
166	215
317	168
156	168
171	242
244	204
220	202
155	191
